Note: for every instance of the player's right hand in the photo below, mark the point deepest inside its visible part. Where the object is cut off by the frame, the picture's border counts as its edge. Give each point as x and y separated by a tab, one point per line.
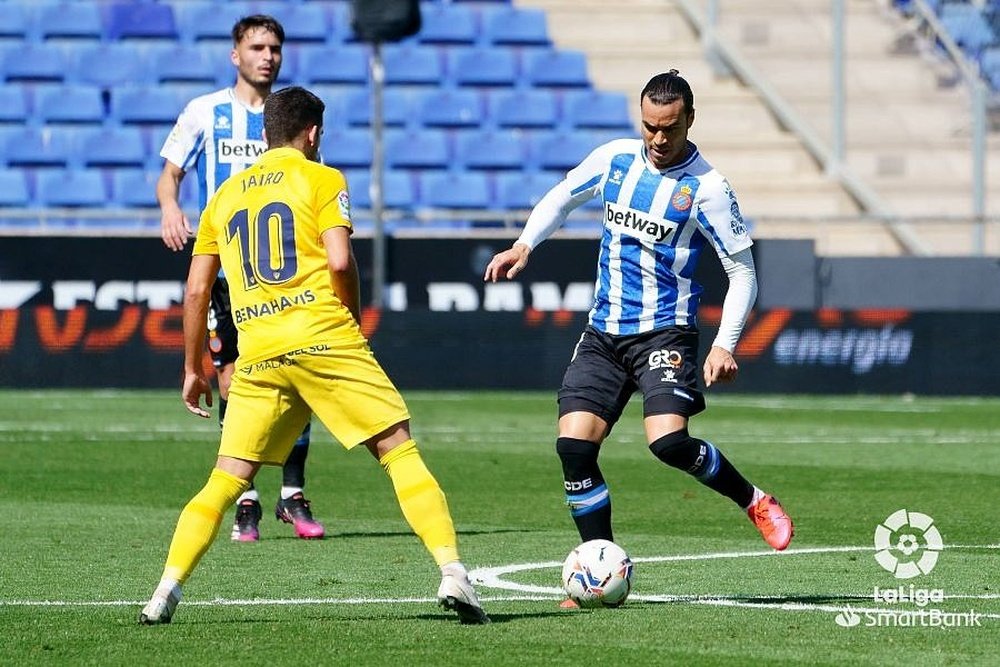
508	263
196	386
175	230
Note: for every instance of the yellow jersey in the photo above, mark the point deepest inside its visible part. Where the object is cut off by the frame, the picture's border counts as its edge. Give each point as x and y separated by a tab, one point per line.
265	225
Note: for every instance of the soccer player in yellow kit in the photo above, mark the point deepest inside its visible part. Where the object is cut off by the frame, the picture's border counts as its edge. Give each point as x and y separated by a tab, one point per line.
281	230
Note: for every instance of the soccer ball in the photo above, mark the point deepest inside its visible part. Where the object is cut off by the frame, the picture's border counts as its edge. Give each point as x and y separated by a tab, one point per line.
597	573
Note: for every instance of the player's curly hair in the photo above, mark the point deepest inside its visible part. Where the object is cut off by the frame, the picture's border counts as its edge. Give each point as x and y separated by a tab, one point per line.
667	87
288	112
268	23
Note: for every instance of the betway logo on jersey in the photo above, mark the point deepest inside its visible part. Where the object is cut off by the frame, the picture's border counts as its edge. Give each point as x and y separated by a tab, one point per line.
638	225
240	150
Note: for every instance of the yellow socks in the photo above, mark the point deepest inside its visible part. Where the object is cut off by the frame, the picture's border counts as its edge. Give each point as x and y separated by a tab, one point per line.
422	501
199	523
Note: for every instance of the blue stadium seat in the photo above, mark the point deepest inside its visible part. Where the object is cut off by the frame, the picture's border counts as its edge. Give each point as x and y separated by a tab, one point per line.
35	62
109	65
134	188
13	189
14	20
561	150
198	21
444	23
557	68
39	147
524	108
344	64
416	149
522	190
451	108
482	66
491	149
71	188
989	65
70	20
13	104
141	20
519	26
113	147
967	25
185	63
462	190
597	109
147	104
302	22
398	190
69	104
397	107
349	148
412	64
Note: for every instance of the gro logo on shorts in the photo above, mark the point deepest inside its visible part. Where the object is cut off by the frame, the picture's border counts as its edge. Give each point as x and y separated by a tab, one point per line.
907	544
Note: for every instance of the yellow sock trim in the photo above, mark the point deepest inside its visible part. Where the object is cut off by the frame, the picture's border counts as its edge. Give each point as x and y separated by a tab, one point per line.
199	523
422	501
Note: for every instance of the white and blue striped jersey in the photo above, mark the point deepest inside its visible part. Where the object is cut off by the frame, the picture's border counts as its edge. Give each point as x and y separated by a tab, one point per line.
655	227
219	135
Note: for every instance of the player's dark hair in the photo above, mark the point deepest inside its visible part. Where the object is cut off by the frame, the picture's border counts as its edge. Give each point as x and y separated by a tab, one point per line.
254	21
669	87
288	112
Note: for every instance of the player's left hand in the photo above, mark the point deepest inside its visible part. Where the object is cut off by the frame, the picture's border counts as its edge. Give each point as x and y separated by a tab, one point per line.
196	386
720	366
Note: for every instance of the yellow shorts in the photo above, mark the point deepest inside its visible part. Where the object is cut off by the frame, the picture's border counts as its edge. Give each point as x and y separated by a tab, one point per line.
270	401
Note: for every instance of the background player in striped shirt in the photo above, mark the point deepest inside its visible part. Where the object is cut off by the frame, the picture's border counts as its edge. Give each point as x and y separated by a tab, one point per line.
282	231
663	204
221	134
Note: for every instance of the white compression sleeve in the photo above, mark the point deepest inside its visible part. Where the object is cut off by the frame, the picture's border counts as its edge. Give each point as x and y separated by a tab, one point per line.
739	300
548	215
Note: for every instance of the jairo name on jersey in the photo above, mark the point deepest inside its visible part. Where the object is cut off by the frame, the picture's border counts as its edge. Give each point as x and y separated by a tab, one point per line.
240	150
637	225
254	180
273	306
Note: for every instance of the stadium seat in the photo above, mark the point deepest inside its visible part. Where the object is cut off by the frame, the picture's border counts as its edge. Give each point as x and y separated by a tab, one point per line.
13	189
35	62
444	23
113	147
344	64
397	107
302	22
557	68
146	104
109	65
482	66
39	147
518	26
199	21
522	190
561	150
69	104
524	108
490	149
462	190
416	149
187	63
13	104
412	64
989	65
71	188
349	148
398	191
70	20
14	20
134	188
141	20
967	25
451	108
596	109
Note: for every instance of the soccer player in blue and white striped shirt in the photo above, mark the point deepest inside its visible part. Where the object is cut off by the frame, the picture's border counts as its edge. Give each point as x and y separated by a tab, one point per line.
663	205
221	134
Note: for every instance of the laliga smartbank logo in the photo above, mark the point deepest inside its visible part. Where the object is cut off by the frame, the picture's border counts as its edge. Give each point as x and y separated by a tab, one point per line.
907	544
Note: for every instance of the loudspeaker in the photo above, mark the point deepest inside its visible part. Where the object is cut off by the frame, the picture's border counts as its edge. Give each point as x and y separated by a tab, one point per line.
385	20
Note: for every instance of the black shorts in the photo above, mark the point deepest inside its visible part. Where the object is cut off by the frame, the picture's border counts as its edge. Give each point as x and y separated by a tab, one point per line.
606	370
221	328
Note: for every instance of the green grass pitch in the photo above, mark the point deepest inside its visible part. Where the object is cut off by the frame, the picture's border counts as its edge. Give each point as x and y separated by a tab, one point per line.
92	483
